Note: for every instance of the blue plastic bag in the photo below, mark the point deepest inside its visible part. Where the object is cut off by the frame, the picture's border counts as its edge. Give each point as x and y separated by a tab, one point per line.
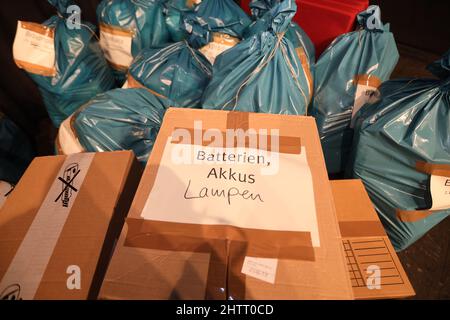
134	25
121	119
215	26
400	142
262	73
347	73
16	151
295	34
80	70
174	12
176	72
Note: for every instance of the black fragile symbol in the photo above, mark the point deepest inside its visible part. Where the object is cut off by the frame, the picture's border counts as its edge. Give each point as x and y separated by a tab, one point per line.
68	184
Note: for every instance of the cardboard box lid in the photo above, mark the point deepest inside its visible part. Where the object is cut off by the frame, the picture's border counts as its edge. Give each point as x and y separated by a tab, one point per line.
158	224
58	226
368	250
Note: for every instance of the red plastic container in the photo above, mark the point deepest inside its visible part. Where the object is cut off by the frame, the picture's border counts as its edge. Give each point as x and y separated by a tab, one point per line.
324	20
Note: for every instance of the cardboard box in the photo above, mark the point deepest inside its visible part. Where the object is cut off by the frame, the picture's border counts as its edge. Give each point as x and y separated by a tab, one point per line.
369	253
275	237
59	225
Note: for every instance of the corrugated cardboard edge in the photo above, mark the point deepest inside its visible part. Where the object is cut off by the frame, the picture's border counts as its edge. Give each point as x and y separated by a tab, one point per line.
363	228
123	203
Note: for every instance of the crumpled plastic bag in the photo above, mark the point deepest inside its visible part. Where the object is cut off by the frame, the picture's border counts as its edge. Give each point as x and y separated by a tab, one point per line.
16	151
174	12
176	72
402	153
127	27
215	26
66	63
263	73
294	33
121	119
346	75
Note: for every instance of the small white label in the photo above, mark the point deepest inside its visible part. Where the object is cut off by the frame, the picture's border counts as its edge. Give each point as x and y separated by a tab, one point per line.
213	49
33	47
362	96
440	192
117	47
264	269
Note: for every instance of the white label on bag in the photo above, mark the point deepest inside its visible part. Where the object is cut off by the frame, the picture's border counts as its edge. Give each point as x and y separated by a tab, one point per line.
234	193
116	46
33	47
362	96
5	189
30	261
68	141
213	49
264	269
440	192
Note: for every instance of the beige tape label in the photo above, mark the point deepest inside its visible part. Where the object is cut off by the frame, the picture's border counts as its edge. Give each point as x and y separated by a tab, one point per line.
116	46
34	48
440	192
264	269
213	49
31	259
234	186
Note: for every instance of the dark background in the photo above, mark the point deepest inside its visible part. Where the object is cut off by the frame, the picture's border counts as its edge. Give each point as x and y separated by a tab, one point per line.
422	31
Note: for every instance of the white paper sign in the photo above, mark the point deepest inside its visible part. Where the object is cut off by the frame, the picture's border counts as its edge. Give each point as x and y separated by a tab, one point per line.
117	47
264	269
234	193
440	192
33	47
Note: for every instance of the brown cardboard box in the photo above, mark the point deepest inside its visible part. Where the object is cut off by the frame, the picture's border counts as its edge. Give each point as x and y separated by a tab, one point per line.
182	241
366	244
59	225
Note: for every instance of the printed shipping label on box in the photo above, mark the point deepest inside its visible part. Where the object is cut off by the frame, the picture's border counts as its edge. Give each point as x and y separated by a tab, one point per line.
234	186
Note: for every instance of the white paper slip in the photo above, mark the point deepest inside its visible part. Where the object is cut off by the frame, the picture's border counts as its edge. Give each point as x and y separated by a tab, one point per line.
116	45
363	94
264	269
34	48
440	192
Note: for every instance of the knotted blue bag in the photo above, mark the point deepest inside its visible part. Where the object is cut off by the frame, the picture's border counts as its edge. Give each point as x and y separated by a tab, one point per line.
294	33
402	153
144	20
224	17
174	12
121	119
175	71
81	70
347	73
263	73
